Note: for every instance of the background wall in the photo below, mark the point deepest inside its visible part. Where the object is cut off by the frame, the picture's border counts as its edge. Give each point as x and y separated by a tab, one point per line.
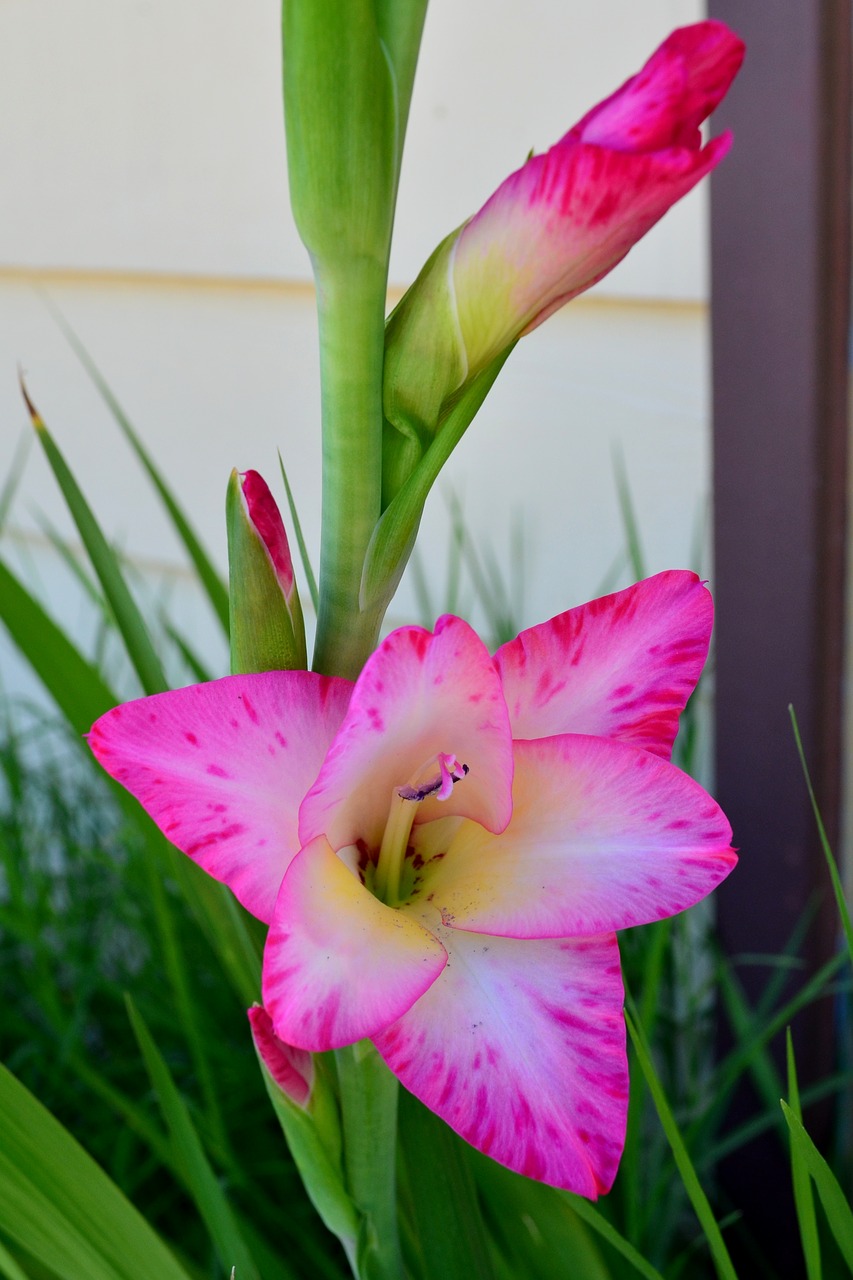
145	196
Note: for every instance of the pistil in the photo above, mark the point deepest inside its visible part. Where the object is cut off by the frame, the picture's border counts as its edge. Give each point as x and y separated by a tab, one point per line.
401	817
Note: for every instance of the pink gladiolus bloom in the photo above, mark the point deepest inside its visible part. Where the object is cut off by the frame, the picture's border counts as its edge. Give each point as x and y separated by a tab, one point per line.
444	849
567	217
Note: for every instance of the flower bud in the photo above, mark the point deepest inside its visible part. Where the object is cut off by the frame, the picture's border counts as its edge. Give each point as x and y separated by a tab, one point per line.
267	631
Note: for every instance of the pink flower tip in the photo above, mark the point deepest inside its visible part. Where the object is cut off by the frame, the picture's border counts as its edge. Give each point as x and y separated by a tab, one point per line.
266	518
291	1069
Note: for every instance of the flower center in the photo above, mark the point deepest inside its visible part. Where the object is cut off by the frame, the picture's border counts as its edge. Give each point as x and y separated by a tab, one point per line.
436	778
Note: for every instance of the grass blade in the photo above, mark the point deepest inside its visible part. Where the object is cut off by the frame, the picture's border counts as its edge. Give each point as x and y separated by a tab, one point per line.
300	541
698	1199
13	477
190	1159
217	592
72	681
803	1197
61	1207
838	1211
827	851
105	563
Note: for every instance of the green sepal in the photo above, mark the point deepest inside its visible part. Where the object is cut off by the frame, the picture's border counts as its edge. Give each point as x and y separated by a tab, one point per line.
395	532
313	1135
425	364
267	630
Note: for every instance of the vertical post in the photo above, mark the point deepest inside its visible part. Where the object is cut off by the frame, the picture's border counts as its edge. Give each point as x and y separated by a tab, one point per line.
780	291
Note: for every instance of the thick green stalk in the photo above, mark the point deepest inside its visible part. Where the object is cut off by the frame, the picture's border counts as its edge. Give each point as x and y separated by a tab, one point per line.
369	1109
351	302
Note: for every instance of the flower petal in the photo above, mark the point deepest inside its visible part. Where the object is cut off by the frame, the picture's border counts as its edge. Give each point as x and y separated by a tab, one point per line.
420	695
222	768
619	667
602	836
291	1069
339	965
665	103
520	1047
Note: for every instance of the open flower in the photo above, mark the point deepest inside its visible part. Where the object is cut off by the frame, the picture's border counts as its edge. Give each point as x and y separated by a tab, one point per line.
444	850
553	229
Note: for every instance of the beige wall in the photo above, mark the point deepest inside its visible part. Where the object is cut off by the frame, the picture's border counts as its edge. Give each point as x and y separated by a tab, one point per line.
144	191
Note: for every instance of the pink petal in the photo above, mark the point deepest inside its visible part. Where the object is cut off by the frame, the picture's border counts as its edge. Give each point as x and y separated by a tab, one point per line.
291	1069
520	1047
266	517
556	227
603	836
339	965
223	767
665	103
419	696
620	667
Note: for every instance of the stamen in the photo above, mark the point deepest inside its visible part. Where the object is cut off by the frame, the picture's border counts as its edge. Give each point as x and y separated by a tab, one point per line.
401	816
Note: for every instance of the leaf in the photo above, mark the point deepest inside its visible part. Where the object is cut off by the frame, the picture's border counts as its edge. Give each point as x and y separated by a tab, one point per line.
300	540
190	1159
60	1206
836	1208
803	1198
837	888
210	579
698	1199
106	565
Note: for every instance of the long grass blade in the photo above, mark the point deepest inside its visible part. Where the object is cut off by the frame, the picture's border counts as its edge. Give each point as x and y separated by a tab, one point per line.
215	588
128	618
9	1267
61	1208
300	540
698	1199
629	516
831	864
837	1210
13	477
803	1197
196	1172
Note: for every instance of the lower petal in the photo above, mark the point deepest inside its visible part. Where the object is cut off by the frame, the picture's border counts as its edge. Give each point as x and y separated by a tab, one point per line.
520	1047
339	965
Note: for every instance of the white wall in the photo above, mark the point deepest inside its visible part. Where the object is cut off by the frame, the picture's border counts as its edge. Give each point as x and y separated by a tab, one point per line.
144	191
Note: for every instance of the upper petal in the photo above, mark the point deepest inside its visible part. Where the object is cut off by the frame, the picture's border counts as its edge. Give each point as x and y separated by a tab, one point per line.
619	667
520	1047
603	836
419	695
664	104
338	964
222	768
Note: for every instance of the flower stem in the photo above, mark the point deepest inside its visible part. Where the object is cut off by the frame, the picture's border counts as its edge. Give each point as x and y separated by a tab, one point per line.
351	303
368	1094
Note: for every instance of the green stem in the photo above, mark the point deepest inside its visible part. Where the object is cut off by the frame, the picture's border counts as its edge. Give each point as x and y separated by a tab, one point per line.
351	305
368	1094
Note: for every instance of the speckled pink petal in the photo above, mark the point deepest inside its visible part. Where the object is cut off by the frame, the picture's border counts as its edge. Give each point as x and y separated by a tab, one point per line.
520	1047
665	103
291	1069
419	695
620	667
339	965
222	769
603	836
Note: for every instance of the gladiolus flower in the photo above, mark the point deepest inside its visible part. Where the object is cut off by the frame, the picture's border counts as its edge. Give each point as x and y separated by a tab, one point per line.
552	230
444	849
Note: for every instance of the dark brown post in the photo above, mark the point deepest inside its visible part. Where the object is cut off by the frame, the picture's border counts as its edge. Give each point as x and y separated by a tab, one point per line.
780	291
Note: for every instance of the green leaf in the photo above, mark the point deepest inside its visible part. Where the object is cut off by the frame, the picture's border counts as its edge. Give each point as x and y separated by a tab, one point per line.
800	1177
190	1159
105	563
60	1207
74	684
836	1208
444	1205
698	1199
837	887
210	579
300	540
